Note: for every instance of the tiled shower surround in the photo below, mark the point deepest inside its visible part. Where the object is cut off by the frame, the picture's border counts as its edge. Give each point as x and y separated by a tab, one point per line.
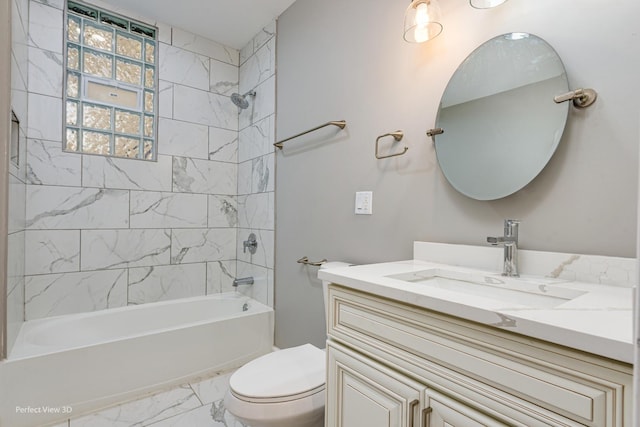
17	172
104	232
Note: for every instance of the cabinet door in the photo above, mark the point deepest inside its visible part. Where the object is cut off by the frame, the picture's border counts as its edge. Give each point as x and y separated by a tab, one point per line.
445	412
361	392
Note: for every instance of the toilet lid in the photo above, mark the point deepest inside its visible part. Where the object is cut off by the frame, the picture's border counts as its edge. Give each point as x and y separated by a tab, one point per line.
290	372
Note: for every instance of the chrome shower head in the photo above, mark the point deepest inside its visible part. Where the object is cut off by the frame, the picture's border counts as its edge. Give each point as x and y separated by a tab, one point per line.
241	100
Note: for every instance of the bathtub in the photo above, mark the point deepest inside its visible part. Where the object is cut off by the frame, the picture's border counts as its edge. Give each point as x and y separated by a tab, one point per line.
80	363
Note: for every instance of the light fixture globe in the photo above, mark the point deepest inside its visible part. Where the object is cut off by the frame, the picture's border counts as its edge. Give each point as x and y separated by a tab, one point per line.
422	21
485	4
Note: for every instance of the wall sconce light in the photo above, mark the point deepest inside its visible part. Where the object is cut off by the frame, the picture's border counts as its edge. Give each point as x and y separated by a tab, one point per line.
422	21
485	4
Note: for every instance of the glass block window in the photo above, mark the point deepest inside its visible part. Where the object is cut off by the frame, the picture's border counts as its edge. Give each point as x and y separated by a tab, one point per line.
110	84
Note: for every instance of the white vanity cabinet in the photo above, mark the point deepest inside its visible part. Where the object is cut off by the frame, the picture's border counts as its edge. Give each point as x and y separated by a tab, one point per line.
394	364
364	392
369	394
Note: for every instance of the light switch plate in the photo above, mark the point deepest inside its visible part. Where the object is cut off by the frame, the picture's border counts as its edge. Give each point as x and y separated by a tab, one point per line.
364	202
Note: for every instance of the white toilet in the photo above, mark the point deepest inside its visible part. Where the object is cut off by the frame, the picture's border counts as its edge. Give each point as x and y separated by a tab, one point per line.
281	389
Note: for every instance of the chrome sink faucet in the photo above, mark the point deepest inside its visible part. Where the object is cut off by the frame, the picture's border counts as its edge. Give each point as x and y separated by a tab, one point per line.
510	243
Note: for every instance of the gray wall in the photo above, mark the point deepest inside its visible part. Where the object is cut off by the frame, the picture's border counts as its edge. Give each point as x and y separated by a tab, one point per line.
347	60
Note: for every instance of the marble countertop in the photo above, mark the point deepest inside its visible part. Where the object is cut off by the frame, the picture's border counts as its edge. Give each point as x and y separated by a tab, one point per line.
598	321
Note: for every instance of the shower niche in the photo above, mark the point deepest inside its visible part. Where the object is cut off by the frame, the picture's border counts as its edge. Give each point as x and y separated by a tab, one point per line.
14	148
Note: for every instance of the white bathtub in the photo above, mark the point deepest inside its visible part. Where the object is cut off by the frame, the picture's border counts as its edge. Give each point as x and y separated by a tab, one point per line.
84	362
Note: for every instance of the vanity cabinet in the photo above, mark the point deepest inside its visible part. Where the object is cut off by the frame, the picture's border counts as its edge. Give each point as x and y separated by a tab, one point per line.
363	392
394	364
369	394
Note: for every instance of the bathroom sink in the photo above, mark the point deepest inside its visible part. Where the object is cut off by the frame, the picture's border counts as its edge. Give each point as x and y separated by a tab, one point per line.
508	289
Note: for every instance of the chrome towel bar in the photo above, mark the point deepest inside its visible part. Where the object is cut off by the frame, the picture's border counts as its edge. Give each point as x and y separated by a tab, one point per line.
339	123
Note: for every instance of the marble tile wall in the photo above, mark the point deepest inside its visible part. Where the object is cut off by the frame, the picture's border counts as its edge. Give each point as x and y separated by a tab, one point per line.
106	232
17	170
256	163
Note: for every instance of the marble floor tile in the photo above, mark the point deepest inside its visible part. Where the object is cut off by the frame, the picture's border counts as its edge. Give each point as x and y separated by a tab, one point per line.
212	389
199	403
145	411
211	415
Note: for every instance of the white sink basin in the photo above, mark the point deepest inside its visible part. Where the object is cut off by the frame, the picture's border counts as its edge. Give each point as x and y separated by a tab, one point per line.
507	289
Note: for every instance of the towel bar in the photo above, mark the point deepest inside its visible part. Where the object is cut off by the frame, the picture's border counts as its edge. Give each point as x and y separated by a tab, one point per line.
339	123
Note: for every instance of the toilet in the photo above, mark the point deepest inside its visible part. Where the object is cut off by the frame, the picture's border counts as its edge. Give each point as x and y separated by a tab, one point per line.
281	389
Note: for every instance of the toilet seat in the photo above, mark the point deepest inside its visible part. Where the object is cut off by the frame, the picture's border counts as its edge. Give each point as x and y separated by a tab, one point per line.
282	376
278	399
304	412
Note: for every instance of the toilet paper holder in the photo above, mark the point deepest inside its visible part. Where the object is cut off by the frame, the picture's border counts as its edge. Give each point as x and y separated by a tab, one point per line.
305	260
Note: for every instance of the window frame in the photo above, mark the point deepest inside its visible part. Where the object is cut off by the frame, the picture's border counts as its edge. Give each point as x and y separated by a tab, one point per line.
135	29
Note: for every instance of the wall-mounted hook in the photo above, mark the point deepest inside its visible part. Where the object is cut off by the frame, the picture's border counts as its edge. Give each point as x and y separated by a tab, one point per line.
582	98
397	135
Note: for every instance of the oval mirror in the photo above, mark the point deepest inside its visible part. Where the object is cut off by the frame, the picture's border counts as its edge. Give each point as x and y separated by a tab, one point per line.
501	125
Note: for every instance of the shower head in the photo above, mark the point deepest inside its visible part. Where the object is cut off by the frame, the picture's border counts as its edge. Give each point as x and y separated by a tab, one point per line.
241	100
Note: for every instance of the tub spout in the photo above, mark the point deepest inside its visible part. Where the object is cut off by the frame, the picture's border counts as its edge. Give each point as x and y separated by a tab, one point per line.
243	281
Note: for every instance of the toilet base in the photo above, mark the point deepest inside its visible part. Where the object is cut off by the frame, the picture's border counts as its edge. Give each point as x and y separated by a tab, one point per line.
305	412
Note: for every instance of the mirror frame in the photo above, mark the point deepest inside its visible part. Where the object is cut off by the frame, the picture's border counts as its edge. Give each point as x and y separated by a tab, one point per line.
481	157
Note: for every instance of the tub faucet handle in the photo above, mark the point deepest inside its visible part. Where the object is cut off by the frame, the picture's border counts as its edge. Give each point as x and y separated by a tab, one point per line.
250	243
